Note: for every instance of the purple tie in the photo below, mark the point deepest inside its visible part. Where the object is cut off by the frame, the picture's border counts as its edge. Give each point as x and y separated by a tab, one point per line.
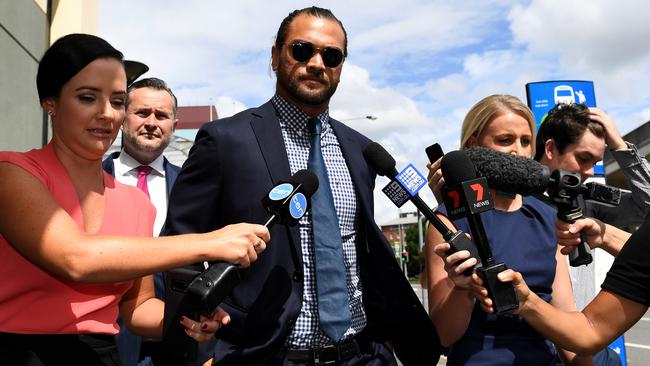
143	171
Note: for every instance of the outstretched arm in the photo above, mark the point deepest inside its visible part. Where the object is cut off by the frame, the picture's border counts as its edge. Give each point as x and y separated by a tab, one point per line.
39	229
605	318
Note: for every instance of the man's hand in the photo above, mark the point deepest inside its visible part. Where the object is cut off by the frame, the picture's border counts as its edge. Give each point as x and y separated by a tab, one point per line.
599	235
568	234
613	137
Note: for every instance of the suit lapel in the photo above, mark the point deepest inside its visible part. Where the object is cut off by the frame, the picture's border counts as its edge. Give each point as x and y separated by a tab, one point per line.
356	163
266	127
170	175
108	164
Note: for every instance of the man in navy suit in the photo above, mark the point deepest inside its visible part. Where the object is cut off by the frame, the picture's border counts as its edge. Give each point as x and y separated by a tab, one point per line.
236	161
146	132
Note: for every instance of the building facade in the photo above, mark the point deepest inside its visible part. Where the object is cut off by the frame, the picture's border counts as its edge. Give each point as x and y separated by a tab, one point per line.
27	28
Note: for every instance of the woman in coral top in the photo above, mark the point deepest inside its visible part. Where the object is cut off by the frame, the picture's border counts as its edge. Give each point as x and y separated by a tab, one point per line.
75	244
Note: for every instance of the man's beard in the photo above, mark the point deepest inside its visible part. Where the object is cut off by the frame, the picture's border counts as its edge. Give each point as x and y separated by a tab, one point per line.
145	147
292	86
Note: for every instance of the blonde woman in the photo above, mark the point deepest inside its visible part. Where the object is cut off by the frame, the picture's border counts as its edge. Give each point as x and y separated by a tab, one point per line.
521	233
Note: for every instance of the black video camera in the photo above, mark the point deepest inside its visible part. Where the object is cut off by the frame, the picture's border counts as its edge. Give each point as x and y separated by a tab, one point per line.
566	192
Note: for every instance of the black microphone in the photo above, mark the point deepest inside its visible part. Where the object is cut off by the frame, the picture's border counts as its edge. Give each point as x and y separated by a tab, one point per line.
467	196
509	173
384	164
286	203
515	174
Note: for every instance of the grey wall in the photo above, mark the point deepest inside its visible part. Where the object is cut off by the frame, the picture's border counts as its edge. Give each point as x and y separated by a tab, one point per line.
23	39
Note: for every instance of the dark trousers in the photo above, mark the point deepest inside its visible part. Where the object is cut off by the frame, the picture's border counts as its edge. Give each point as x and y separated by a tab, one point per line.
58	349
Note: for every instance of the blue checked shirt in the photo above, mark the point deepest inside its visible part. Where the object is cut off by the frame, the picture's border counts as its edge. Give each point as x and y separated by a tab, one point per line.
297	140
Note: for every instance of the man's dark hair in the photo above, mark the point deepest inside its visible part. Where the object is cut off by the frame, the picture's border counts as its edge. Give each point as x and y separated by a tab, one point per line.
565	124
66	57
312	11
153	83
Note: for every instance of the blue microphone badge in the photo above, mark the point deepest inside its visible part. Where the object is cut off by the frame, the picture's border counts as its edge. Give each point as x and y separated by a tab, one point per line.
298	206
411	179
281	191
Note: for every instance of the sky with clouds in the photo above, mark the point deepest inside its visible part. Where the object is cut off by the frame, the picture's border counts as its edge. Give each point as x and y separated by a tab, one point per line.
417	65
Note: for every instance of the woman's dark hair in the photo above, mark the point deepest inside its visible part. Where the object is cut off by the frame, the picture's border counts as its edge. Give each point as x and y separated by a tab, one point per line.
565	124
66	57
312	11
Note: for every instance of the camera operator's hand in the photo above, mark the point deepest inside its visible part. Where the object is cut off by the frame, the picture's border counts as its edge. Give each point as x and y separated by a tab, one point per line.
568	234
613	137
599	235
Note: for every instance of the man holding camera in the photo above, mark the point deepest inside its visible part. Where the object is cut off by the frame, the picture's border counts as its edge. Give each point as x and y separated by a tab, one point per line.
573	138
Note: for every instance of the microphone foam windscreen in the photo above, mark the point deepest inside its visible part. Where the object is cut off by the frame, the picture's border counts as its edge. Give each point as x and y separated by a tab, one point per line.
509	173
457	168
307	179
380	160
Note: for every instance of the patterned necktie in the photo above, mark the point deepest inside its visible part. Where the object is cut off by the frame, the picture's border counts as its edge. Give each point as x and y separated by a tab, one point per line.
143	172
331	283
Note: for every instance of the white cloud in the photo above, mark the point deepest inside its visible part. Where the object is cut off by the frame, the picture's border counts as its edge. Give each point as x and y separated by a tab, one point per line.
595	35
417	65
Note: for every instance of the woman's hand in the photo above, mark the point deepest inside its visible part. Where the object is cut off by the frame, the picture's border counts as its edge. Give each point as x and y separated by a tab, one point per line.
436	181
456	264
240	243
204	330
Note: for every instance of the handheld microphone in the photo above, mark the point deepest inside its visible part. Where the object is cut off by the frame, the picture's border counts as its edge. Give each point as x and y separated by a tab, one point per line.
467	196
514	174
188	292
384	164
286	203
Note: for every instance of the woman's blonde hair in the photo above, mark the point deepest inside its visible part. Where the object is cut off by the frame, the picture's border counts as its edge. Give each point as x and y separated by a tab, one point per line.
489	108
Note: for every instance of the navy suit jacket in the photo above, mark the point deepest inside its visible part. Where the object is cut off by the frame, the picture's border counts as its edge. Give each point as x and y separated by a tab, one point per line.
234	163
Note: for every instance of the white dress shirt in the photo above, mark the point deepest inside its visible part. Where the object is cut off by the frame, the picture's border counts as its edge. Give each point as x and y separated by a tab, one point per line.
125	172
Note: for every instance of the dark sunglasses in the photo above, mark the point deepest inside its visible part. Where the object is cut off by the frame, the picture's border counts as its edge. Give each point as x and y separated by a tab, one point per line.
303	51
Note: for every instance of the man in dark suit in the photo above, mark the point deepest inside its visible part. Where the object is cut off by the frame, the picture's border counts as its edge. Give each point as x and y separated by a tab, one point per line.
278	316
146	132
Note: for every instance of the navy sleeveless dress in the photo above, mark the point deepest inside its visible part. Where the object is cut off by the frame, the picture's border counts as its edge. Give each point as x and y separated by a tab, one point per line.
525	241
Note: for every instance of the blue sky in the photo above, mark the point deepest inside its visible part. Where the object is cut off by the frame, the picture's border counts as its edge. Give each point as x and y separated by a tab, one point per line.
418	66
